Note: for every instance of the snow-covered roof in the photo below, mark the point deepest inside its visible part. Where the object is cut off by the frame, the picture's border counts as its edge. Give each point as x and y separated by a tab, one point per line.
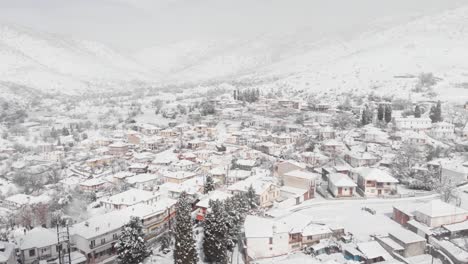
144	177
255	227
438	208
23	199
341	180
93	182
375	174
406	236
38	238
302	174
372	250
131	197
213	196
6	251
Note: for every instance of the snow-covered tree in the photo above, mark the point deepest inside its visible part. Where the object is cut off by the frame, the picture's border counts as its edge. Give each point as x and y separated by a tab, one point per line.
436	113
131	246
209	185
185	251
216	234
380	113
252	198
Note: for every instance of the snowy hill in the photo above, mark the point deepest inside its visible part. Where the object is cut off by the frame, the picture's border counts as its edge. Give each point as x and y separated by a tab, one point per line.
432	44
56	64
435	43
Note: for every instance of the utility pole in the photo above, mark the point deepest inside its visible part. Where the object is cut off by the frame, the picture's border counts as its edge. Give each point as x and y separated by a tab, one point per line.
63	236
59	245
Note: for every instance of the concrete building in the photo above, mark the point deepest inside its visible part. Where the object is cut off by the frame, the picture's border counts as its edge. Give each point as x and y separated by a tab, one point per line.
340	185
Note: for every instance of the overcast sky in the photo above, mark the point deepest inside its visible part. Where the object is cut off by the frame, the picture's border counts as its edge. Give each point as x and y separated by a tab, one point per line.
135	24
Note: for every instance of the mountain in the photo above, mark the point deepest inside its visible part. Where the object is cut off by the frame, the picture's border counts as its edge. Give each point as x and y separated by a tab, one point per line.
376	59
54	63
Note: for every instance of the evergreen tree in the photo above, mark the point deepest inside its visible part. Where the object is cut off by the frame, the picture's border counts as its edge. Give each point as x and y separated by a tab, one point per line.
215	241
209	185
185	251
380	113
436	113
417	112
366	117
388	113
251	198
65	131
131	247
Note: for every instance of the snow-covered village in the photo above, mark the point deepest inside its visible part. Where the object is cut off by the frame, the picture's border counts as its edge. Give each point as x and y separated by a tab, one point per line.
345	149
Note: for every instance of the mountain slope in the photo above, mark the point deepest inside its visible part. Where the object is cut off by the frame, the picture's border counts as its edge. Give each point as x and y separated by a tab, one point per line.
56	64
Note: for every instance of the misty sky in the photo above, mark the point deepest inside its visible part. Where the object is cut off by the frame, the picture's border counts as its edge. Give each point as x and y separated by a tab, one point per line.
136	24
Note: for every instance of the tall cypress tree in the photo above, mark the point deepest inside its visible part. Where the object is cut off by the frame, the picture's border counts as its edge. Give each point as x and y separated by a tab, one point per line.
131	247
417	112
216	234
380	113
388	113
436	113
185	251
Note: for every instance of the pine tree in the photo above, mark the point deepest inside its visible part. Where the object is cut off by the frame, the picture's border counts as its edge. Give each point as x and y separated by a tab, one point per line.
185	251
366	116
380	112
215	241
131	247
388	113
209	185
417	112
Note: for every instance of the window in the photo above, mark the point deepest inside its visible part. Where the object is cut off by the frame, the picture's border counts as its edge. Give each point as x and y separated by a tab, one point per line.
93	244
271	240
115	236
103	241
32	252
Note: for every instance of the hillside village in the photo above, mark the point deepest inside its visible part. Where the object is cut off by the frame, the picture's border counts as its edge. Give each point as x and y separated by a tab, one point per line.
281	176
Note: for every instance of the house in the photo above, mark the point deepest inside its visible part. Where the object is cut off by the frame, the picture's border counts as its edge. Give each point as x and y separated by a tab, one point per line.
360	159
20	200
265	238
265	190
178	176
442	130
144	181
204	204
7	253
285	166
374	182
373	252
246	164
313	159
412	123
326	133
333	147
412	244
437	213
129	198
93	185
118	149
302	180
138	168
38	244
340	185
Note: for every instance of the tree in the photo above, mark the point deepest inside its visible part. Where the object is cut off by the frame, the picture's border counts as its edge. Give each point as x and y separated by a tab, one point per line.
215	240
65	131
131	246
447	189
388	114
380	113
417	112
436	113
344	121
407	157
366	117
207	108
185	251
252	198
209	185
